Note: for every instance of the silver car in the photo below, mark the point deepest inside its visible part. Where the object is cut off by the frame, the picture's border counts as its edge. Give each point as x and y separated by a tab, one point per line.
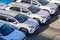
22	22
36	13
43	4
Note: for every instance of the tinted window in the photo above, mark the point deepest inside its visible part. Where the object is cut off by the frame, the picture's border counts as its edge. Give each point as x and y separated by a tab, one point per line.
43	2
11	20
21	18
34	9
24	10
6	29
26	1
3	18
15	8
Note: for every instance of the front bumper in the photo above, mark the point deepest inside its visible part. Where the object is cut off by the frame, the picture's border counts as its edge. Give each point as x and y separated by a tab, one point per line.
34	29
45	20
54	11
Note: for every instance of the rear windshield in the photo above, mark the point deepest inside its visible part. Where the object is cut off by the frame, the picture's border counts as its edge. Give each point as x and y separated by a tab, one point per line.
6	29
21	18
26	1
34	9
43	2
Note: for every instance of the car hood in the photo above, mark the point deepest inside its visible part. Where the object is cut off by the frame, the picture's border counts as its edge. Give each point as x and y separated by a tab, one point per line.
52	5
16	34
55	1
31	22
43	13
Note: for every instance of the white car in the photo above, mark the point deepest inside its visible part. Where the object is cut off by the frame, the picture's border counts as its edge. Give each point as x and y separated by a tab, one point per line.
44	4
22	22
42	16
55	1
9	33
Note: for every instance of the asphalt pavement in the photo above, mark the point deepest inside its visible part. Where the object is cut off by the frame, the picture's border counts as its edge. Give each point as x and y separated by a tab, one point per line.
50	31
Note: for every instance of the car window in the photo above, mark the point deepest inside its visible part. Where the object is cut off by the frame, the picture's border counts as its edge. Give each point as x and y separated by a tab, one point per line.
24	10
15	8
34	9
43	2
34	2
6	29
26	1
3	18
21	18
11	20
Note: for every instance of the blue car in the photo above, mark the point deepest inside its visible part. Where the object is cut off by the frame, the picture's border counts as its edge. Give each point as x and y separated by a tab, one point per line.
3	3
9	33
6	1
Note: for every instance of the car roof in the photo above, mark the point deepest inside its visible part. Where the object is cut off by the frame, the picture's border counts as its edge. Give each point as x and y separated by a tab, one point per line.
9	12
19	4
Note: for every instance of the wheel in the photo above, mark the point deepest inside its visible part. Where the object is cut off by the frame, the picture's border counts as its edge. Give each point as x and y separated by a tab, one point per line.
25	31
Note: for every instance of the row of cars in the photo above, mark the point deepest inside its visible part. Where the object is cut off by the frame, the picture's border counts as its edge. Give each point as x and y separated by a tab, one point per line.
19	18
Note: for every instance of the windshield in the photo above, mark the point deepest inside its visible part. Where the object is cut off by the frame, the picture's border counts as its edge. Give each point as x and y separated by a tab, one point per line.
43	2
34	9
6	29
21	18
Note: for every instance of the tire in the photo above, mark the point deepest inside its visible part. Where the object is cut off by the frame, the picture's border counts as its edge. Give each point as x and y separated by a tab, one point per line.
25	31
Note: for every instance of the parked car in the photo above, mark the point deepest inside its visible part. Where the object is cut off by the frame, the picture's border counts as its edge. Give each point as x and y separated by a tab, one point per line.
55	1
44	4
23	22
3	3
9	33
42	16
6	1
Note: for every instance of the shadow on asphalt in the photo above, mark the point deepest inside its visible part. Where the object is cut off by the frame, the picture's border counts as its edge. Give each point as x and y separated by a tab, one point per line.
39	37
42	28
45	27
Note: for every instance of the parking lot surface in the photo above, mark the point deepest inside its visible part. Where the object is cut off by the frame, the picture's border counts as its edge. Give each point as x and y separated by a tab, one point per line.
51	31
